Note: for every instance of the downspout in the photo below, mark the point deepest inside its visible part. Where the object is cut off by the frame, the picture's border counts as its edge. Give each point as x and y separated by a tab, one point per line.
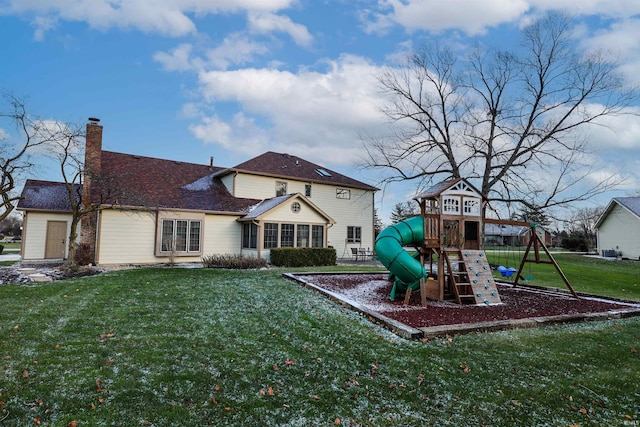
97	241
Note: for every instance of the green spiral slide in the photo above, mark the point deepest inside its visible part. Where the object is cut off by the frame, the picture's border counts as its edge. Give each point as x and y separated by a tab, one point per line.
405	270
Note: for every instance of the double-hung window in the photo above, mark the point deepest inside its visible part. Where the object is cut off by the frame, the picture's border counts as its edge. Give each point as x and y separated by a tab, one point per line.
270	235
354	234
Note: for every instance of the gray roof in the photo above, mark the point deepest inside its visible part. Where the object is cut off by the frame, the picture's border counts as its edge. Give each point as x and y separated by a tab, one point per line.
505	230
47	196
631	203
267	205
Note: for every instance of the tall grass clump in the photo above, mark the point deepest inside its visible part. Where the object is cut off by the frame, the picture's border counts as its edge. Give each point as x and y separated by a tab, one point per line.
233	261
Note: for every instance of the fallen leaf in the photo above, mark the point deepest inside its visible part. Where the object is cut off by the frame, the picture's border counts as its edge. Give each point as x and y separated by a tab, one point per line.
93	406
262	392
25	374
228	408
634	351
583	411
98	388
101	400
270	391
146	423
288	362
105	336
315	397
37	421
337	421
73	423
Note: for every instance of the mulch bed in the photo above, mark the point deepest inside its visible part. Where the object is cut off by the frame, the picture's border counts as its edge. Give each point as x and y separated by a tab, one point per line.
371	291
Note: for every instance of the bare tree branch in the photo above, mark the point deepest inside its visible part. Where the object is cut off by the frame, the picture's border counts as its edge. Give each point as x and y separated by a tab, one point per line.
515	122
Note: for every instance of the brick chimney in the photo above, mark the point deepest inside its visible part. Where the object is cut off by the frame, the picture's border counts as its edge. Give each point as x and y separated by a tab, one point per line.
90	190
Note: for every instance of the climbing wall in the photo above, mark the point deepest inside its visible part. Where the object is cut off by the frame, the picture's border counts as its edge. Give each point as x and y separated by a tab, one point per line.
480	277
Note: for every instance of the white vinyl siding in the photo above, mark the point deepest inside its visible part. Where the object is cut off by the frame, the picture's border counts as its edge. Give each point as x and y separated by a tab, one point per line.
620	230
356	211
35	223
220	235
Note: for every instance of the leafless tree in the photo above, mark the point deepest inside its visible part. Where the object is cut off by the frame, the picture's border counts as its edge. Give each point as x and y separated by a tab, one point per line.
15	152
582	222
66	146
513	121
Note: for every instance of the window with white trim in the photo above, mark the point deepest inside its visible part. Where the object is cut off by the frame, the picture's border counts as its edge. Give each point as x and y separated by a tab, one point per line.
471	206
354	234
281	188
343	193
450	205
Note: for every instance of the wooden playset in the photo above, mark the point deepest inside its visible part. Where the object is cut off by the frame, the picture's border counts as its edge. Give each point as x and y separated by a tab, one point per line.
450	243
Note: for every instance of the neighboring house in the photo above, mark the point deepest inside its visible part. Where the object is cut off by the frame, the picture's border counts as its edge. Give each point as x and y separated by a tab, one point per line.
513	235
155	210
618	228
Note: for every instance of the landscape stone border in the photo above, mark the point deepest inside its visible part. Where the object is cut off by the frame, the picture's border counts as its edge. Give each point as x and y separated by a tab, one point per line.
409	332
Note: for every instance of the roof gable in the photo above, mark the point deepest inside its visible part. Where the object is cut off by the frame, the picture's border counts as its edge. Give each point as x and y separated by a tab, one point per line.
268	205
456	185
293	167
630	204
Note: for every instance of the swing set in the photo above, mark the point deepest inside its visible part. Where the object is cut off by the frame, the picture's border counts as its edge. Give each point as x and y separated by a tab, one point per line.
536	243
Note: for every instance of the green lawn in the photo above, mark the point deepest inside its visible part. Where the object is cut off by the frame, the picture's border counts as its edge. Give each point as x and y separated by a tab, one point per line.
619	279
168	347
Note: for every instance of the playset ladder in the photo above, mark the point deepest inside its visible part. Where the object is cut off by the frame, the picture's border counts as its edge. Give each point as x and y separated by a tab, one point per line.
471	278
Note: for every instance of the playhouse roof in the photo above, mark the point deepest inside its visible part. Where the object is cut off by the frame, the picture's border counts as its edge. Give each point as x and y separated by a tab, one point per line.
439	188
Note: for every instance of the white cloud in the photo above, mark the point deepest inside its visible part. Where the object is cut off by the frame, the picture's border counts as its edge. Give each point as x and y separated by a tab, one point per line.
236	49
167	17
269	22
471	16
475	17
621	40
179	59
321	113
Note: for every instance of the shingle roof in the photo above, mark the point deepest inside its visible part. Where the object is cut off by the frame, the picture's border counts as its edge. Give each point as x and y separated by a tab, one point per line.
169	184
46	195
152	182
145	181
631	203
288	166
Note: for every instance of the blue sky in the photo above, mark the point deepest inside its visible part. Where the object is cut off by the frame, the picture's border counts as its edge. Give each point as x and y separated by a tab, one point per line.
191	79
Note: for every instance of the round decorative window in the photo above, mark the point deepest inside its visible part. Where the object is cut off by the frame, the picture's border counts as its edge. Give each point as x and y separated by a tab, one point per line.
295	207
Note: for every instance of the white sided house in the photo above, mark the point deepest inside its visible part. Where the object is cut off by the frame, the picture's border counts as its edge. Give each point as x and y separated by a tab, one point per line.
155	211
618	229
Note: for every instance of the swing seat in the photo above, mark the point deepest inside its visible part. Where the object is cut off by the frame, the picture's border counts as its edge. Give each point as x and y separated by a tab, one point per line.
506	271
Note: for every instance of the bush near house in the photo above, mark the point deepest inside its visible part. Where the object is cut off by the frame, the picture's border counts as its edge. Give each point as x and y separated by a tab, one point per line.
303	257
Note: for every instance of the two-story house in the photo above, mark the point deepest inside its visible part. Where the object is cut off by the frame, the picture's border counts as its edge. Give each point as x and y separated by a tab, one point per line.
155	210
